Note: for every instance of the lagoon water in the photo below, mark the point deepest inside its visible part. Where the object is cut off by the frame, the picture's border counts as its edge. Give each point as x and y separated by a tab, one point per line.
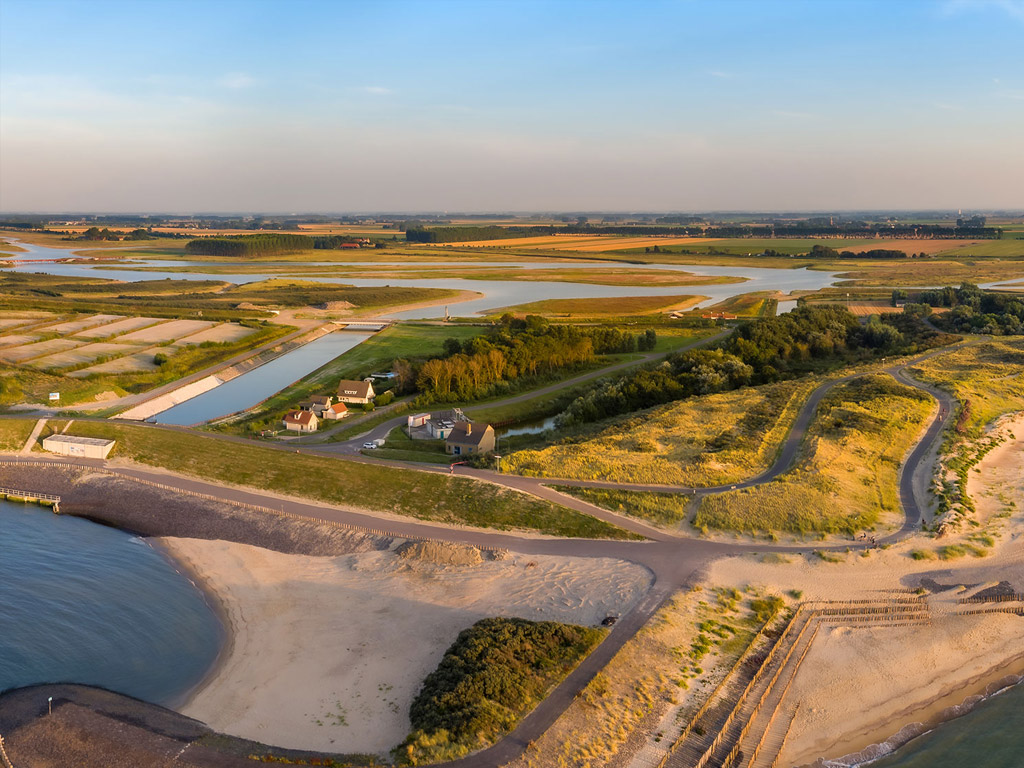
990	736
85	603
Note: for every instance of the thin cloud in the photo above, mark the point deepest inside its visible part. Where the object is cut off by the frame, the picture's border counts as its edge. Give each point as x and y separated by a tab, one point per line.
720	74
1012	8
236	80
794	114
377	90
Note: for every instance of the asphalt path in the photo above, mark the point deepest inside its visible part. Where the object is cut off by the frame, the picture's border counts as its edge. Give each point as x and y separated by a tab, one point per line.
674	562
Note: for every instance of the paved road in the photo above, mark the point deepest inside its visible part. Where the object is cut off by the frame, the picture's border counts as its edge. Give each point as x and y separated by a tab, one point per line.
674	562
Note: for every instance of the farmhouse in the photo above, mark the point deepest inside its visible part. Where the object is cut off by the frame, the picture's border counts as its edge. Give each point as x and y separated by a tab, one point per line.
335	412
355	391
467	438
301	421
70	445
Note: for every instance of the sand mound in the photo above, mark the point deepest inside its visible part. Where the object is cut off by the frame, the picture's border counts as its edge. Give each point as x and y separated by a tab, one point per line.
439	552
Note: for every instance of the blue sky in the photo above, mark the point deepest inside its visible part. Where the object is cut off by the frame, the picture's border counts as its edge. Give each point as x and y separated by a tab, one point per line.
365	106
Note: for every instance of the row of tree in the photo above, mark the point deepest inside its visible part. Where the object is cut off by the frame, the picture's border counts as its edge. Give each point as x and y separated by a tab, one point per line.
267	244
798	342
973	310
468	233
512	351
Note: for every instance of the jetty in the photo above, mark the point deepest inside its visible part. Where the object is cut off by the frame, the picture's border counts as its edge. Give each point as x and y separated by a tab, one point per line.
34	497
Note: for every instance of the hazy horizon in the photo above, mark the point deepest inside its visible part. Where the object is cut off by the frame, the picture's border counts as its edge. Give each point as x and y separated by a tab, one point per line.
500	107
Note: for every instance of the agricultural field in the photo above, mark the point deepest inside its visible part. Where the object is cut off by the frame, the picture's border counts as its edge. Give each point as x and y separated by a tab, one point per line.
846	480
702	441
619	306
923	273
102	357
425	496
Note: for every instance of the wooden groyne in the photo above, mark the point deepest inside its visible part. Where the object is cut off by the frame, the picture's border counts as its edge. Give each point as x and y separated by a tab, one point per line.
31	497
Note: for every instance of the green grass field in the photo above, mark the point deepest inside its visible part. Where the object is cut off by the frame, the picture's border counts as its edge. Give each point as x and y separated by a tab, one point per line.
14	433
617	306
426	496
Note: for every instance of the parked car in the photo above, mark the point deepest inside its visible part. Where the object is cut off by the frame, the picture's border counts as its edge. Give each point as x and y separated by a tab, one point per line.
609	621
370	446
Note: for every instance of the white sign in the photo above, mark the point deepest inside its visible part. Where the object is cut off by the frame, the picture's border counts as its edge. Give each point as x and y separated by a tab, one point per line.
55	395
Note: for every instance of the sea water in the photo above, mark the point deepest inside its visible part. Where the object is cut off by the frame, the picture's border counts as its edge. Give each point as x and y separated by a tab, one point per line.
85	603
990	736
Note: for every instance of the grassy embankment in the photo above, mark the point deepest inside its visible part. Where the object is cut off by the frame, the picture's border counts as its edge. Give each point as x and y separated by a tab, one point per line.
434	497
14	433
988	381
496	672
702	441
845	481
377	353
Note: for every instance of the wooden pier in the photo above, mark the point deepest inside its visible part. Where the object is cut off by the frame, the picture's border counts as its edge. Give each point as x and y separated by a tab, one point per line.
46	499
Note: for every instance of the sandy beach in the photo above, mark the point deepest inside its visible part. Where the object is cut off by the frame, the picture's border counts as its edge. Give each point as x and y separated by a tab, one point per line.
902	675
328	652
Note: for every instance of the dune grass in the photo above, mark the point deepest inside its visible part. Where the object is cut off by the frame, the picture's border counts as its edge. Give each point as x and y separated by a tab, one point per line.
426	496
846	480
699	442
14	433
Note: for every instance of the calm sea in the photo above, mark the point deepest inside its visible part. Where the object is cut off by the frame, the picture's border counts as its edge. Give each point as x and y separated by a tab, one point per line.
990	736
84	603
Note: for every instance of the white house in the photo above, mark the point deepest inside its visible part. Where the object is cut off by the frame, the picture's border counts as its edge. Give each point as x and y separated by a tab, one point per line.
355	391
301	421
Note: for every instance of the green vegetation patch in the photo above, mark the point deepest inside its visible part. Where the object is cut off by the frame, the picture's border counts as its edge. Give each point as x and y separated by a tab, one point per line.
14	433
422	495
703	441
847	477
492	675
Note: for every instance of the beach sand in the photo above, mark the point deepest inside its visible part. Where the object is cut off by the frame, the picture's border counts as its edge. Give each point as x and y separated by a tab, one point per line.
859	686
327	653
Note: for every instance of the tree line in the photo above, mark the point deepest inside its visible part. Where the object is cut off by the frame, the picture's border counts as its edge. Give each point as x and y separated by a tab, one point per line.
514	350
972	310
807	339
266	244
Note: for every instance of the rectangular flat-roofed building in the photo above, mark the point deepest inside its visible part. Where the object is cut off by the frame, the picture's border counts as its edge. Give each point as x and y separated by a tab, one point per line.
72	445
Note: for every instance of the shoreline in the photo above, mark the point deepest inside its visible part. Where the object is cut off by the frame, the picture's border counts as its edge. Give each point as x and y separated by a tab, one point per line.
217	605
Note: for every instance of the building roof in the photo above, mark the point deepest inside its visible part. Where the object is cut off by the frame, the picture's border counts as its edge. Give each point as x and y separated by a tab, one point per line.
348	388
78	440
321	399
299	417
468	433
338	408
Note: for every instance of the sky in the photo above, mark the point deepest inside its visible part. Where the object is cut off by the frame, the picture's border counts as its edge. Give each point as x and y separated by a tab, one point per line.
301	106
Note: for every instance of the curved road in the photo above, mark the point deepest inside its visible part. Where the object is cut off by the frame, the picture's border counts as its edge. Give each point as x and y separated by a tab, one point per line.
674	562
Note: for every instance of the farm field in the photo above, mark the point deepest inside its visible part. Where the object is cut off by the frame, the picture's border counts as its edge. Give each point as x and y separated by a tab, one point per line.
110	359
580	243
702	441
924	273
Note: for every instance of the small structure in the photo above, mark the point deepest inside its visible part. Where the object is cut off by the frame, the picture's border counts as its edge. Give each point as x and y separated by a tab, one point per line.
719	316
384	376
467	438
440	425
317	404
335	412
417	420
355	391
71	445
301	421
